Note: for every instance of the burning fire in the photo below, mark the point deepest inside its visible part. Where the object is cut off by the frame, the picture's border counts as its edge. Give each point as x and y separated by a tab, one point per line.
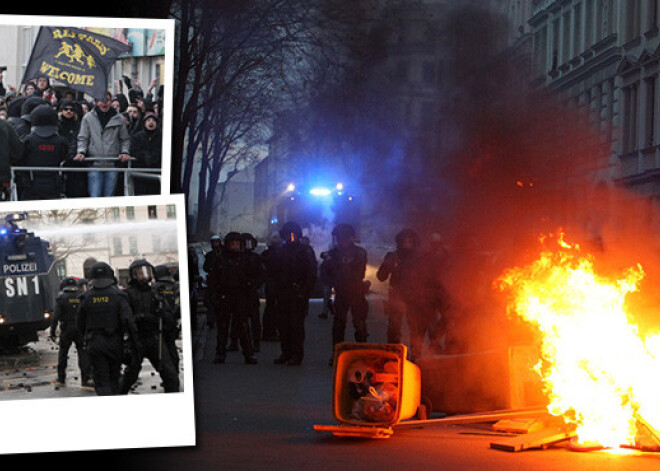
597	371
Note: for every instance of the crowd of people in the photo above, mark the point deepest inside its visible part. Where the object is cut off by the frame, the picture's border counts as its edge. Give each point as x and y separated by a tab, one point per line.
87	140
115	329
286	274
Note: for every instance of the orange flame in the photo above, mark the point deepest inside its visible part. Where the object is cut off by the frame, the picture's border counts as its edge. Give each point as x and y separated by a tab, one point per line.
596	370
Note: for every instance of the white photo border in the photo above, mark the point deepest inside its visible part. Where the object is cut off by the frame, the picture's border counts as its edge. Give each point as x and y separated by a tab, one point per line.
111	422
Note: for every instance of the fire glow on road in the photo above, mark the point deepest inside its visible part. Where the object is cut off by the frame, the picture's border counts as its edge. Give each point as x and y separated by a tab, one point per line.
598	373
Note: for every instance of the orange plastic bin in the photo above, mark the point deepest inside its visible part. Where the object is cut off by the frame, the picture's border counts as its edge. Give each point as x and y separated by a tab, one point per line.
374	387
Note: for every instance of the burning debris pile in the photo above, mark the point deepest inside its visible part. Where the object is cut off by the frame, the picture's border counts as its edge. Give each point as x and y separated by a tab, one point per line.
601	377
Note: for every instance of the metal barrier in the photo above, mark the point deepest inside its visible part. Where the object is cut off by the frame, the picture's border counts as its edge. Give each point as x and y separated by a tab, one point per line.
129	173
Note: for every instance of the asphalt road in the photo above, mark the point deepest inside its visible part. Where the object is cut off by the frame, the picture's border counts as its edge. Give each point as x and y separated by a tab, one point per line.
254	417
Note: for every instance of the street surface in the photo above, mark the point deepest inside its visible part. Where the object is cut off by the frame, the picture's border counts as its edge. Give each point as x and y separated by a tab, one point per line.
32	374
261	417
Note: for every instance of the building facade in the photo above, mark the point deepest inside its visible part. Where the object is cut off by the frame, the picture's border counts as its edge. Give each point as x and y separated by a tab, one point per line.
601	57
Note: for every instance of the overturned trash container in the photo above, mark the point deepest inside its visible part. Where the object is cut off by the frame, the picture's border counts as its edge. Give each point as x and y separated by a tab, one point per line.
374	387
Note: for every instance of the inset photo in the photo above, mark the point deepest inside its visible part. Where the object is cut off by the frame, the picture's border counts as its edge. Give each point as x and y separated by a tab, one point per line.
92	322
85	109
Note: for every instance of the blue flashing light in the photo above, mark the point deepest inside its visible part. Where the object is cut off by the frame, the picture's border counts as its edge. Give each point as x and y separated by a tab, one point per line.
3	231
273	221
319	191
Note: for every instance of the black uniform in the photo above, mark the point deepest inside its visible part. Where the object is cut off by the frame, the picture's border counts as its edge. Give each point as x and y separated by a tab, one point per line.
296	272
256	279
153	318
232	285
43	147
269	261
66	308
168	289
407	294
104	316
347	264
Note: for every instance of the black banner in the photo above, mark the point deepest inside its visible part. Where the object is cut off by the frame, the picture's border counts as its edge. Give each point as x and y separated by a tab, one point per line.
75	57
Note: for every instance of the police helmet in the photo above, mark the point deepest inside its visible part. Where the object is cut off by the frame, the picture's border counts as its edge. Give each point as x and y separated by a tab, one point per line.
232	236
68	283
250	241
404	234
102	275
216	240
162	273
344	231
291	232
141	270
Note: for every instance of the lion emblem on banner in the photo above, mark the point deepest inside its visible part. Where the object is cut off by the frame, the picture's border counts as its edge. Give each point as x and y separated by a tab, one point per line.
75	54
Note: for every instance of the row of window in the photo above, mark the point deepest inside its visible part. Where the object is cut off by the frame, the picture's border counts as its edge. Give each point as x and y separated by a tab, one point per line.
152	212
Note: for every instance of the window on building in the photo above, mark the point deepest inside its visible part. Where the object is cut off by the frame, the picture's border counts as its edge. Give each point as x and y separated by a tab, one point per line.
588	24
116	246
171	211
132	245
577	30
652	14
114	214
649	122
153	212
130	213
630	119
555	44
60	269
540	49
632	19
566	37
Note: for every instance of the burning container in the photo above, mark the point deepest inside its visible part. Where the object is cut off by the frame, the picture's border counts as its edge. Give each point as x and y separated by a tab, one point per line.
374	387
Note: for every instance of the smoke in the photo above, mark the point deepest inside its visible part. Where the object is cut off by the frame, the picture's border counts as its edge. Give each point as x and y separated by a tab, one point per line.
517	164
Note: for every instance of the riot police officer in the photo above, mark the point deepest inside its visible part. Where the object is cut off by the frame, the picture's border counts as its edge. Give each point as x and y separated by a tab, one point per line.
257	278
296	272
405	295
347	264
210	258
169	291
232	286
104	317
269	260
152	318
66	307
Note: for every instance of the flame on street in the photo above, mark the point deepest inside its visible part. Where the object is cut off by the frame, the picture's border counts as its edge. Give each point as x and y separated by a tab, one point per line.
597	371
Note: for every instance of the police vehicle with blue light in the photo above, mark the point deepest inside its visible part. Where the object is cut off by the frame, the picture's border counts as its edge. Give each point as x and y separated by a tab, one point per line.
28	284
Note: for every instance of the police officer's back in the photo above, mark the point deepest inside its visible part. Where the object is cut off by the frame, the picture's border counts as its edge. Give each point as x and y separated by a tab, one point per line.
43	147
104	316
64	316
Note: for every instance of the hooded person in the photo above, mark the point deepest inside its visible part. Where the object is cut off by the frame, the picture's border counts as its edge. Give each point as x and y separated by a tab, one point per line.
23	126
146	147
103	318
153	317
43	147
14	111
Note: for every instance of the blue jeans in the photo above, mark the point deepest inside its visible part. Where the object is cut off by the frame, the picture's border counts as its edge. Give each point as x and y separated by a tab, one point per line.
102	183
